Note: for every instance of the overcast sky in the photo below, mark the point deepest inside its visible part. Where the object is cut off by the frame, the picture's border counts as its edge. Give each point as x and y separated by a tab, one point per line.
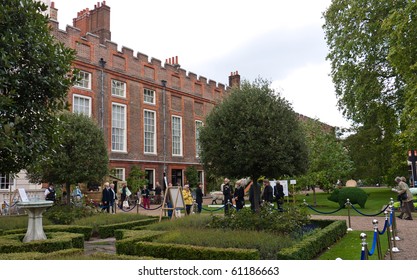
278	40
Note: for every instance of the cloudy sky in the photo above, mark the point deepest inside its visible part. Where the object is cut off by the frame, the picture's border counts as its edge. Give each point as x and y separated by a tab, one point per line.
278	40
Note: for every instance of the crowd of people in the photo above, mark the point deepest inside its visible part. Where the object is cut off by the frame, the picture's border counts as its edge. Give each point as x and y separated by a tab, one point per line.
233	196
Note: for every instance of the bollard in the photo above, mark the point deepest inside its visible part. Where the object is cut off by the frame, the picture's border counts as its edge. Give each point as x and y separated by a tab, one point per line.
394	248
394	221
348	204
378	241
388	236
364	252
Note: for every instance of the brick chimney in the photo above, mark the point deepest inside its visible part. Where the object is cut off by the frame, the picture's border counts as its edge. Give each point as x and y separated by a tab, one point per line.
53	12
96	21
234	79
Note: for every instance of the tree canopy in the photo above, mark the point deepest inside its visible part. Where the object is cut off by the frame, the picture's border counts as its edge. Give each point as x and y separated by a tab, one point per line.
80	157
372	46
329	160
253	132
34	82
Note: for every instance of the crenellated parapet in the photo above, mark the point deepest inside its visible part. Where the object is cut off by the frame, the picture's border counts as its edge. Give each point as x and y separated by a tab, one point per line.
140	66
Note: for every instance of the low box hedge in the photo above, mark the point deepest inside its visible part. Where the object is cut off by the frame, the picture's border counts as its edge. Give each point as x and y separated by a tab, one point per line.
313	245
56	241
42	256
190	252
126	239
85	230
106	231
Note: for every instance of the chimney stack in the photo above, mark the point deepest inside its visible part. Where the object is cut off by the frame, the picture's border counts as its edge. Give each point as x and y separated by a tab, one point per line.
96	21
234	79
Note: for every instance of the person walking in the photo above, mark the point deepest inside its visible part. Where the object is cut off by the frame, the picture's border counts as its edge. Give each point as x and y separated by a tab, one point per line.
188	199
145	197
267	195
106	197
406	199
239	195
122	195
113	198
158	193
227	193
50	193
279	195
199	197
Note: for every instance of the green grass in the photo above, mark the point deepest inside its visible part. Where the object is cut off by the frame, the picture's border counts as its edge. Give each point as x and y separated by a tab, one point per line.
349	247
377	199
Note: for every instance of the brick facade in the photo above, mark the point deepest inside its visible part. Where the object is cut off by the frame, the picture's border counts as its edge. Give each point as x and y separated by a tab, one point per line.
187	96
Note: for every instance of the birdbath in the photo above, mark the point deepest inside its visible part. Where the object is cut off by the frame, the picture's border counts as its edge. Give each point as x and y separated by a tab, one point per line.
35	210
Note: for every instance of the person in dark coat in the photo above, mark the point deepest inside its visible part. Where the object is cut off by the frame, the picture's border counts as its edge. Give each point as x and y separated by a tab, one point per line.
267	195
239	195
279	195
122	195
106	197
227	193
199	197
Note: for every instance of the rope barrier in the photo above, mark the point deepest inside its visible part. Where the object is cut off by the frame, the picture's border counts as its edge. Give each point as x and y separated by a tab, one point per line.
320	212
369	215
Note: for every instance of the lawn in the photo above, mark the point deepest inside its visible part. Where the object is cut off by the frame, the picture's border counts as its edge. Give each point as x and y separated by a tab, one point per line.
378	198
349	247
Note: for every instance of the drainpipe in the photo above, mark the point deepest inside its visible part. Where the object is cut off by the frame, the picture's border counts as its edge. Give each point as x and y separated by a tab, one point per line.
164	84
102	63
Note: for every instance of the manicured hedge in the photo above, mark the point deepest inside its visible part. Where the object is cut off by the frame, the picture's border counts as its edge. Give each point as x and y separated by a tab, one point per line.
106	231
56	241
190	252
313	245
85	230
42	256
126	239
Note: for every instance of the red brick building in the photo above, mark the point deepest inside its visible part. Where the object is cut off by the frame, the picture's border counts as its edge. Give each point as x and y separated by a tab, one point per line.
149	111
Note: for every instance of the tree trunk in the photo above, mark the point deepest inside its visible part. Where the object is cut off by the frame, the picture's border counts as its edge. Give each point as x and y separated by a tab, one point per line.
68	190
314	196
256	193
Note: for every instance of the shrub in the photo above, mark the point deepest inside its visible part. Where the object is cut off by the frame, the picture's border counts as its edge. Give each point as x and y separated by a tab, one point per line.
287	222
67	214
354	194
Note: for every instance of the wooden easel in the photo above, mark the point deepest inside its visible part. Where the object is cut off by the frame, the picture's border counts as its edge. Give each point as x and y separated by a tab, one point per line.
177	201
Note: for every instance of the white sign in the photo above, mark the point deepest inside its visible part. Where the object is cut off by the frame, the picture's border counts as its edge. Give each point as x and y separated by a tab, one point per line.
23	195
293	182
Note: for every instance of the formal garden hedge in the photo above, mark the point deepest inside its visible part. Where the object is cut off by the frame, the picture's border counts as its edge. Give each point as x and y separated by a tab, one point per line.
56	241
85	230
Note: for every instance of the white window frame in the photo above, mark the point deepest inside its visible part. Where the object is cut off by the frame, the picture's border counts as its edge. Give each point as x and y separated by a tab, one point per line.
145	132
6	181
176	136
118	88
149	94
84	80
118	124
76	106
198	124
121	171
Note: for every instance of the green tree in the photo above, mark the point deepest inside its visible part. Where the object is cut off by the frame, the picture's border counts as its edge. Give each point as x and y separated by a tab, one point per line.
329	160
136	179
191	174
80	157
369	87
34	82
370	151
253	132
401	26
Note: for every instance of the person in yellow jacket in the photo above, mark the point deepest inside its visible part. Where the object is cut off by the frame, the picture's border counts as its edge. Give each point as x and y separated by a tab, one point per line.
188	199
